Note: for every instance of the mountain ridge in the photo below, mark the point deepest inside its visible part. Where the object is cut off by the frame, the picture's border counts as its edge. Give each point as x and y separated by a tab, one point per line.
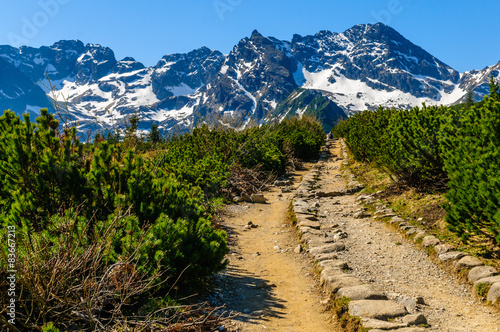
362	68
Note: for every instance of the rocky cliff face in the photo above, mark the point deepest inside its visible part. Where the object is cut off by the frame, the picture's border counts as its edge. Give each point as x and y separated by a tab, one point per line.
362	68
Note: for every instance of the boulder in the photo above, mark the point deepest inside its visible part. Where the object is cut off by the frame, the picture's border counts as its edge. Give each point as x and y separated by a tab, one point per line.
494	293
419	236
480	272
430	241
468	262
485	281
451	255
443	248
377	309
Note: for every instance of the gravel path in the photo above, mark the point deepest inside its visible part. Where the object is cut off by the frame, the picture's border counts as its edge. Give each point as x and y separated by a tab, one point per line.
383	258
273	287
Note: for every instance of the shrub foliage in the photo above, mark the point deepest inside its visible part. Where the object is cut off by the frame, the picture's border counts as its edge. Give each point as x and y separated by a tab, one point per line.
101	224
452	148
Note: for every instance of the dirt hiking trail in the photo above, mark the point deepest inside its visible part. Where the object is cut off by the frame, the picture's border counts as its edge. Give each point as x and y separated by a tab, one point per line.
393	283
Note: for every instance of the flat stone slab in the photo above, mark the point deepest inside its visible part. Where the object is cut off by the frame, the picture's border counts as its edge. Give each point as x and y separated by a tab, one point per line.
333	273
468	262
308	216
324	257
494	293
430	241
309	223
377	309
319	242
361	292
328	248
480	272
333	264
451	255
332	284
309	230
370	323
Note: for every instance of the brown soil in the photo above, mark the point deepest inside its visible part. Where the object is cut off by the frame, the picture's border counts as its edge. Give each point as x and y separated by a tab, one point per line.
267	283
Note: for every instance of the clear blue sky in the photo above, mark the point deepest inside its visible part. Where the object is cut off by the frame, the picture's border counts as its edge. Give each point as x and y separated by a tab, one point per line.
464	34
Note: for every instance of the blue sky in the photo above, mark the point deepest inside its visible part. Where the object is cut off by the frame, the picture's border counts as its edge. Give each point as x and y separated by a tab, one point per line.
463	34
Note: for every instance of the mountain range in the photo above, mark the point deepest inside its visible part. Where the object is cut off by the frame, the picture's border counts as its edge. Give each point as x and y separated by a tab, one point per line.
263	79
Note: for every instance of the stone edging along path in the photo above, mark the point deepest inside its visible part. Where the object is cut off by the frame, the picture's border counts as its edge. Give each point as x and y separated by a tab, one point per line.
338	233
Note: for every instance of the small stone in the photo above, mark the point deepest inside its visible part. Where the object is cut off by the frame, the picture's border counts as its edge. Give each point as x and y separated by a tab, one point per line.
468	262
245	197
277	248
258	313
415	319
360	215
237	199
298	249
258	198
409	303
419	300
480	272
